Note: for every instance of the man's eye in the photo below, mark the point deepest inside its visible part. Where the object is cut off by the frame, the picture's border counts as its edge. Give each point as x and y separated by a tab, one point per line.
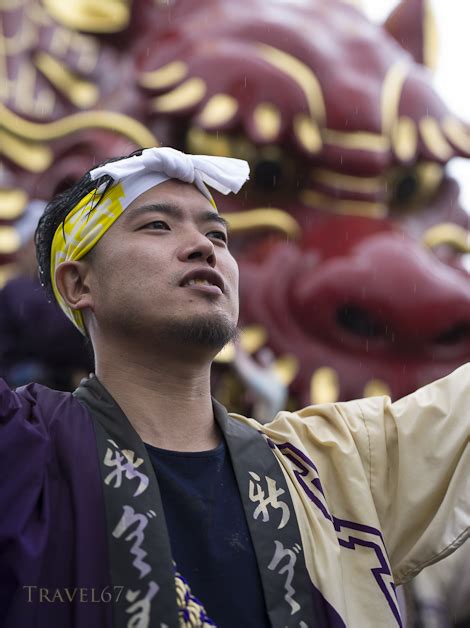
156	224
218	235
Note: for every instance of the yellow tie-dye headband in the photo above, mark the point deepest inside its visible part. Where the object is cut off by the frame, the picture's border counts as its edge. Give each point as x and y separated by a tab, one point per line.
89	220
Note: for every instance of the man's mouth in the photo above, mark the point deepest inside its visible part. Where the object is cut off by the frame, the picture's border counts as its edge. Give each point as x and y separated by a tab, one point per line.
197	282
205	280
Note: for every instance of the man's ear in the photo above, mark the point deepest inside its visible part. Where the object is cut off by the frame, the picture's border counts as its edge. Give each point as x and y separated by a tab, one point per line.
73	283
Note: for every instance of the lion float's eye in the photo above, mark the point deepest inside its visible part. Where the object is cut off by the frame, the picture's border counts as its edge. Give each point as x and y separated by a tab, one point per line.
410	187
272	168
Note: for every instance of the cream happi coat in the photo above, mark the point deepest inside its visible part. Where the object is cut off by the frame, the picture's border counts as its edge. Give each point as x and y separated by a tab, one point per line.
379	488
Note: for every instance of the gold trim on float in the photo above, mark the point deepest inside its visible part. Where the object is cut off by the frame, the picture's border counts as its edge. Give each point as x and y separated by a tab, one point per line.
286	368
430	175
316	200
364	185
29	155
307	133
430	37
12	203
405	139
377	388
447	233
392	88
434	139
301	74
226	355
165	76
252	338
357	140
80	92
9	240
267	120
106	120
219	110
92	16
457	133
263	218
188	94
324	385
200	142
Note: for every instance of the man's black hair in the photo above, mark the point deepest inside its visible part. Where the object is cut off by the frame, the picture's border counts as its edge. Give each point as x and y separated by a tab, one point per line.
55	213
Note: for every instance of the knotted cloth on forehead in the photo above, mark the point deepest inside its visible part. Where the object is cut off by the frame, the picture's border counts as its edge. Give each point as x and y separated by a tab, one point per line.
94	214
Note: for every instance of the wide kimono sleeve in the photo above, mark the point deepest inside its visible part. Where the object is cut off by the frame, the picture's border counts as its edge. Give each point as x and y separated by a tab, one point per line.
24	453
416	458
50	508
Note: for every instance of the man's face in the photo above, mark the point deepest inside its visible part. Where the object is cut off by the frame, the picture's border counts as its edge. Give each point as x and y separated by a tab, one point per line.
163	271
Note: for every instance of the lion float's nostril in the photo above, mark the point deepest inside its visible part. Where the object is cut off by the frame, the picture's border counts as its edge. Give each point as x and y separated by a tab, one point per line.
360	322
454	335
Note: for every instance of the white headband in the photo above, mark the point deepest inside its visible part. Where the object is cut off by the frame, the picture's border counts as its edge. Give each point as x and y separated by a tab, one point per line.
156	165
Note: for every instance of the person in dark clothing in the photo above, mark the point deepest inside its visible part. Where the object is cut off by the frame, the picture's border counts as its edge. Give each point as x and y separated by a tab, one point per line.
37	342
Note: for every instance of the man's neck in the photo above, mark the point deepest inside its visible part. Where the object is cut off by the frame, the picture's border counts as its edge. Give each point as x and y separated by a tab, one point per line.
166	399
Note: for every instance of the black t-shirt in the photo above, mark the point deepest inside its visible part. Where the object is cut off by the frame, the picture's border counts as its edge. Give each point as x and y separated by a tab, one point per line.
209	536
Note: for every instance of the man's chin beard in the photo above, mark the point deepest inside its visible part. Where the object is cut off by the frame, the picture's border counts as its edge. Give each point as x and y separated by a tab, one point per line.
208	332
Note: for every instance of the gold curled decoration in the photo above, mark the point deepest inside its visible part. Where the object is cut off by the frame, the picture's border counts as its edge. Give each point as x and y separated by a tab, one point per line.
9	240
267	120
430	37
165	76
357	140
26	154
430	175
7	272
392	88
226	355
92	16
405	139
186	95
434	139
219	110
301	74
12	203
263	218
252	338
80	92
201	143
457	133
377	388
317	200
286	368
447	233
324	385
106	120
338	181
307	133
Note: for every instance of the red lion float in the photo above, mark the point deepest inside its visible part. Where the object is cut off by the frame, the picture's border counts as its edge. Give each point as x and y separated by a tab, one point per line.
350	236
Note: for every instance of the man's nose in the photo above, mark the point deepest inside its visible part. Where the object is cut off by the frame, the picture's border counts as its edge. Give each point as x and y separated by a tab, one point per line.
198	248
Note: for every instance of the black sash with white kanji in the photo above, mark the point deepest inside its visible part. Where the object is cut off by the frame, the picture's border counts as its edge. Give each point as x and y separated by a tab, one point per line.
141	565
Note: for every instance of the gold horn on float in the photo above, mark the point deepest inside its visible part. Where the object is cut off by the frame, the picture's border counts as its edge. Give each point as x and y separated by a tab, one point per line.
105	16
25	142
263	218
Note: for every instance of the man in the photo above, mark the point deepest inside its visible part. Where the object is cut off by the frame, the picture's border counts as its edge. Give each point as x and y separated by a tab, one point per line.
112	497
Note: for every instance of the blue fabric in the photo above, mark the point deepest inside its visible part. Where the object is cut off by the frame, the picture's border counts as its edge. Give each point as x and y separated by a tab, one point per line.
209	536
